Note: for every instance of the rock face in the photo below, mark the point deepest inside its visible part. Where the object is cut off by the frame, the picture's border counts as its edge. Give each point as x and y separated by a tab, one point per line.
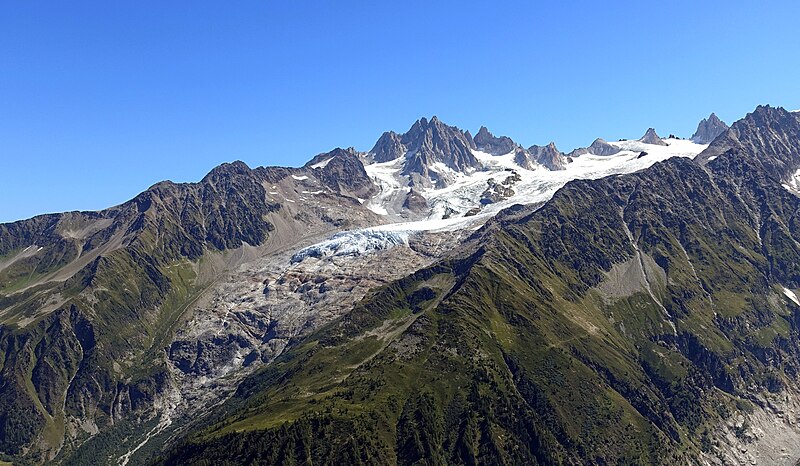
487	142
430	142
496	192
767	130
342	171
599	147
415	202
708	129
432	149
549	156
650	137
388	147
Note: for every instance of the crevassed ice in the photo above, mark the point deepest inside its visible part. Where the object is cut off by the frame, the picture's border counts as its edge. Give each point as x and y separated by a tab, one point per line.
353	243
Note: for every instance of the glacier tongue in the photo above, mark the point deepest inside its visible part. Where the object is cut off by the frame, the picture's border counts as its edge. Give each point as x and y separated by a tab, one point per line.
353	243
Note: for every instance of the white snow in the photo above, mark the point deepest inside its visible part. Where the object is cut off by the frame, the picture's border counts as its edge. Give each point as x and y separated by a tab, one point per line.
387	177
353	243
464	191
312	192
299	178
322	164
378	209
540	184
712	157
793	184
790	294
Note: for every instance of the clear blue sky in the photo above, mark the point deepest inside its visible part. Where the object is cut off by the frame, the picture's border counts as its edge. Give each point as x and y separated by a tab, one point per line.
99	100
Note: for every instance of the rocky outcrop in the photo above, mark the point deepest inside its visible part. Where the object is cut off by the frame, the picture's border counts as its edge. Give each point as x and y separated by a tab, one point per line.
431	149
415	202
429	142
342	171
708	129
598	147
496	192
651	137
487	142
387	148
549	156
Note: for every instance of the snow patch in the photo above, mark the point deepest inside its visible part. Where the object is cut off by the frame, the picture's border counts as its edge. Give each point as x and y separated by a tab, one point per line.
712	157
378	209
322	164
300	178
790	294
793	183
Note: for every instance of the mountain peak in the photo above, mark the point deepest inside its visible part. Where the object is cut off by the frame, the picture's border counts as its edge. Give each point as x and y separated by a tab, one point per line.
708	129
387	147
768	136
651	137
487	142
424	144
548	155
598	147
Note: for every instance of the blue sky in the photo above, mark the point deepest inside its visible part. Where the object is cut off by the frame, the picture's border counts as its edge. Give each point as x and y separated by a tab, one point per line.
99	100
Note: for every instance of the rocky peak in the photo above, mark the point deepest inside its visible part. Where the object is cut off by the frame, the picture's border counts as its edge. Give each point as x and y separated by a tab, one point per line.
388	147
549	156
436	136
342	171
767	130
426	143
598	147
226	170
651	137
708	129
487	142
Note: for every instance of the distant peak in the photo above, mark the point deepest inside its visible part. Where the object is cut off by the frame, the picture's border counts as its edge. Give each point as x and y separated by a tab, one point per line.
227	169
651	137
491	144
708	129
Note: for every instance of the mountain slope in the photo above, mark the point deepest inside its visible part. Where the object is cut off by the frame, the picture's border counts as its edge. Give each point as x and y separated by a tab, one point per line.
88	300
644	318
118	326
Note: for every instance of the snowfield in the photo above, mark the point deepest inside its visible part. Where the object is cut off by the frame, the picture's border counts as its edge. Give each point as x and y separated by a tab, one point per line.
464	193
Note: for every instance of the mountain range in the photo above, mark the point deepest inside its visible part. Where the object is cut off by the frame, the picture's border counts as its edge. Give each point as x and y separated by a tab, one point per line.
440	299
